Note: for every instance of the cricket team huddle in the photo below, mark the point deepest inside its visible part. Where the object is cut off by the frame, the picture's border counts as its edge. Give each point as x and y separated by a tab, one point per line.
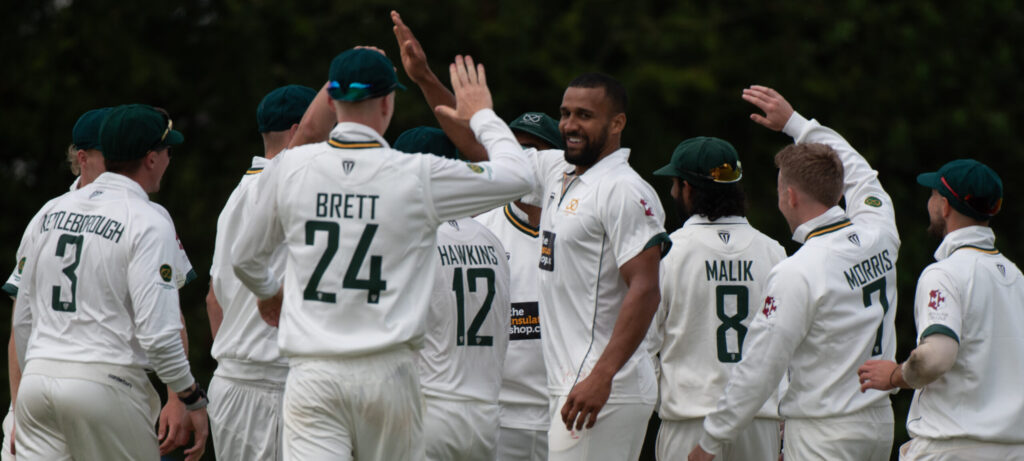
493	291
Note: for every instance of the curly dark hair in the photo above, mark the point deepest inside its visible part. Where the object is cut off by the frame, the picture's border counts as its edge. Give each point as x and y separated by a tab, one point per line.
717	201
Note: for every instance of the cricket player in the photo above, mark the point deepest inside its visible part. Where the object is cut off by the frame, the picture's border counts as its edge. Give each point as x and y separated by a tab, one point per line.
99	280
827	308
359	220
711	285
524	420
966	367
85	160
247	388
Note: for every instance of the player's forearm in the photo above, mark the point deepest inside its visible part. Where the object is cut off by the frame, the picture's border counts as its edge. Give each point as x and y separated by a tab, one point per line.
462	136
638	308
213	311
13	370
932	358
317	122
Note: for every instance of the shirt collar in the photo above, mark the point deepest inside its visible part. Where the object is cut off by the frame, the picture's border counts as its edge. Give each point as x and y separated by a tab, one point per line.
701	220
355	135
830	218
980	238
606	165
120	181
74	185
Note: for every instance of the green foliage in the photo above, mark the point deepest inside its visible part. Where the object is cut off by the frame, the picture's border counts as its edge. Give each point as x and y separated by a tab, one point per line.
910	84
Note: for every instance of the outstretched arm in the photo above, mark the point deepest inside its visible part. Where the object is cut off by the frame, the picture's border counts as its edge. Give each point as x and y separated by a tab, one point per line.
414	61
866	200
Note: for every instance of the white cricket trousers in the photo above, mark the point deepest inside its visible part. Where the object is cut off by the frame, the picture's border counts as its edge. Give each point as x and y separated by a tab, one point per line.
363	408
522	444
865	435
88	410
5	451
759	441
460	430
245	419
618	434
925	449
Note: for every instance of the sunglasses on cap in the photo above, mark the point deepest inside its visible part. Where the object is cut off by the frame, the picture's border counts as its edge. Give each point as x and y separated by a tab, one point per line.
980	204
170	125
722	174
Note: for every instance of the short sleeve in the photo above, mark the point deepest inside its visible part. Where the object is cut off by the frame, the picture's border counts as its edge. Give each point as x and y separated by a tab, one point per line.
632	216
937	306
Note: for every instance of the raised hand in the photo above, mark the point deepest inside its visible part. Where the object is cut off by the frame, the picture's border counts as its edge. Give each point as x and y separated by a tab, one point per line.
776	109
414	59
471	93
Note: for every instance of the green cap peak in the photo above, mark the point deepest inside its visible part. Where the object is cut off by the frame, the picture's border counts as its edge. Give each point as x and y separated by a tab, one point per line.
360	74
428	140
283	107
971	187
704	160
130	131
86	133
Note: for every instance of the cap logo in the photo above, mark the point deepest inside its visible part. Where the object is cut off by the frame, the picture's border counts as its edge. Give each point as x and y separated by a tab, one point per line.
531	118
348	165
724	235
166	272
873	201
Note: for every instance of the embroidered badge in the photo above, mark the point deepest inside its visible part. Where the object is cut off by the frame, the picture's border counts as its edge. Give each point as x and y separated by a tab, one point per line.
769	306
166	272
873	201
935	299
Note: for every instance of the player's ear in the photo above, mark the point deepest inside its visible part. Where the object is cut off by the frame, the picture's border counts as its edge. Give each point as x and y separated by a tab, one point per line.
618	123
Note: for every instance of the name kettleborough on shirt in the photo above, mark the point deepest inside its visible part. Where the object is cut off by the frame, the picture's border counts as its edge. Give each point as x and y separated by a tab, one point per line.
868	269
103	226
729	271
348	206
467	255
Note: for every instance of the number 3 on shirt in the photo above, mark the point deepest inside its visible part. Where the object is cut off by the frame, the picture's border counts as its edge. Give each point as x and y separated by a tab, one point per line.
69	271
374	285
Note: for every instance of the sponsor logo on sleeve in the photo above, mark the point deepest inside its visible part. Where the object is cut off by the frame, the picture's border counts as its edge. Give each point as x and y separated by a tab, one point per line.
475	168
873	201
769	307
525	321
935	299
21	265
166	273
547	251
647	208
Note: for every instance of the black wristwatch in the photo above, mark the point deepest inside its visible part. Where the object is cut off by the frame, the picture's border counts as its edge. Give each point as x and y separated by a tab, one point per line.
196	399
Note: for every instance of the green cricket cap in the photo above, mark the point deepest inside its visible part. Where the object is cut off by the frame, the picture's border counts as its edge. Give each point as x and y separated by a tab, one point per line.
971	187
540	125
86	132
428	140
360	74
130	131
283	107
704	160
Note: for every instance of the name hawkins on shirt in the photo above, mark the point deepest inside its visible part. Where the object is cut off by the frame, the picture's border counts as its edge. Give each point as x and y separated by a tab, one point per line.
83	224
467	255
868	269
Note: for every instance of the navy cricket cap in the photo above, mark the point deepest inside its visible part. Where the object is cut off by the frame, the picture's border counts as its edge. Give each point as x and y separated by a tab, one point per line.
971	187
704	160
283	107
360	74
428	140
130	131
86	133
540	125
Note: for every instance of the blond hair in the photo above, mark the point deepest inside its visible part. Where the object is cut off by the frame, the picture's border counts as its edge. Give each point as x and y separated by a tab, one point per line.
76	168
814	169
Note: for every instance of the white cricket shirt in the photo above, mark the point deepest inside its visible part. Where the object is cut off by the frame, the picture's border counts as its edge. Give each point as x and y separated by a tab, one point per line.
590	226
464	347
828	308
359	220
524	390
99	280
245	346
972	294
712	285
183	274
